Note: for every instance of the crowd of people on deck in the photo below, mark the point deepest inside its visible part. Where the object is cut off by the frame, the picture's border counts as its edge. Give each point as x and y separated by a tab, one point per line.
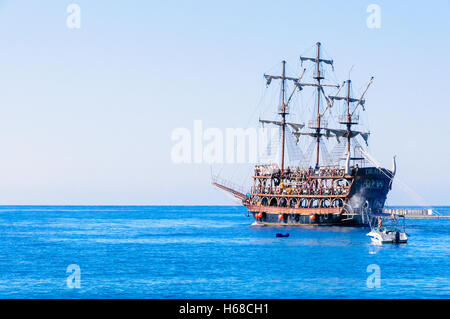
297	173
295	181
303	189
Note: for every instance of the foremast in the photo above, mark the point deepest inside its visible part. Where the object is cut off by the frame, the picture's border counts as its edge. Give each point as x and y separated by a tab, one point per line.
283	111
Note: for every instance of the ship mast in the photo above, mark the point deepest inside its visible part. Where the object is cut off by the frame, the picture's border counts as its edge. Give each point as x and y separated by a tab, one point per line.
318	77
349	116
283	108
348	120
298	84
283	114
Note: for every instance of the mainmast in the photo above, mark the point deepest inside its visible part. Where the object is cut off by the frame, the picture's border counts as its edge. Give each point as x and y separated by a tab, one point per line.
283	114
318	77
315	124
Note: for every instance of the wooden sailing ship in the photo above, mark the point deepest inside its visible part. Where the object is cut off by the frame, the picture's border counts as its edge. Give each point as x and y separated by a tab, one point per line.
343	191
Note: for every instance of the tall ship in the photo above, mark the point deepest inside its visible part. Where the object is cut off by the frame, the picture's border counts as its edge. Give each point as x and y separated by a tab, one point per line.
344	186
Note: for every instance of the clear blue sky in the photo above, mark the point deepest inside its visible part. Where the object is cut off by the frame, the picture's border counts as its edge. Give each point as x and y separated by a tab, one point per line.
87	114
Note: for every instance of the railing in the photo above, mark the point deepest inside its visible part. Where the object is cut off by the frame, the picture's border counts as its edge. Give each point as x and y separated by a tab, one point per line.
343	119
302	174
315	123
320	74
438	211
216	179
408	211
296	190
266	169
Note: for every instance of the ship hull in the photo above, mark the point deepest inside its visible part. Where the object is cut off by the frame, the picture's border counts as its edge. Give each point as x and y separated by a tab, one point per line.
367	195
309	220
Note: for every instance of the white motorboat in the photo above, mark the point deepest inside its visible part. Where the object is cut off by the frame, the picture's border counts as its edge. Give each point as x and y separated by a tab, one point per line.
392	234
387	236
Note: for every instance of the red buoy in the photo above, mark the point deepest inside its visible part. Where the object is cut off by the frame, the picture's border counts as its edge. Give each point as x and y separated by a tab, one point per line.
280	217
313	217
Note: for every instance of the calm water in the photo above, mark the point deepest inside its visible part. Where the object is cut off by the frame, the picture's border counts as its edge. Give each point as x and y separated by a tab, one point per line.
208	252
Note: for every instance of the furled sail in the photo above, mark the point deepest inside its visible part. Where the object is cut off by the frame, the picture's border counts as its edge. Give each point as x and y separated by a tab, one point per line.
327	134
298	134
343	133
338	98
295	126
302	58
296	81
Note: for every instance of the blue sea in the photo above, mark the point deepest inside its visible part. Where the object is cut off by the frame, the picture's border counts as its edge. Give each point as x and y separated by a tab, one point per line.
208	252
